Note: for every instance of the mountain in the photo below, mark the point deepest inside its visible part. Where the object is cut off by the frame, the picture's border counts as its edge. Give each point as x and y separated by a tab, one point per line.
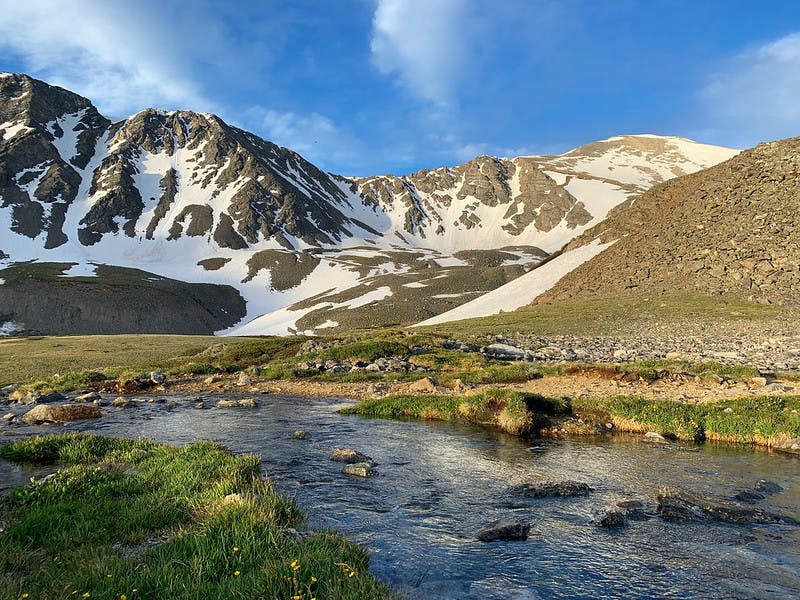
183	197
729	230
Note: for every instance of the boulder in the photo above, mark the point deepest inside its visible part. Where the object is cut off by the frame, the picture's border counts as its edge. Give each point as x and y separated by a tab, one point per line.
654	438
505	529
791	446
199	405
9	417
121	402
300	434
128	384
87	397
212	379
360	469
44	413
426	385
51	397
244	379
505	352
552	489
348	455
613	518
157	377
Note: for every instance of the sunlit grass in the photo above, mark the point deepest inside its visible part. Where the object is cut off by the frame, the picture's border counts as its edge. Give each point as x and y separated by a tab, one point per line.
137	519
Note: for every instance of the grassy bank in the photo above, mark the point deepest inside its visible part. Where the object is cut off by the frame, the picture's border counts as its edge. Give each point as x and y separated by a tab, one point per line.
759	420
513	412
134	519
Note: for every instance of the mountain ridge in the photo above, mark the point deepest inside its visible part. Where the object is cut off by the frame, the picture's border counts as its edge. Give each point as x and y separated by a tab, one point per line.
184	195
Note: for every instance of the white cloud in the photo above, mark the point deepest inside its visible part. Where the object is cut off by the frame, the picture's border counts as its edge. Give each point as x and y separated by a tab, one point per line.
425	43
124	56
754	96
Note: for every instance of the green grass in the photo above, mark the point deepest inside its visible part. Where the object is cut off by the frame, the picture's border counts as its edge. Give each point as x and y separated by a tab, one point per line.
757	420
613	316
513	412
87	531
25	360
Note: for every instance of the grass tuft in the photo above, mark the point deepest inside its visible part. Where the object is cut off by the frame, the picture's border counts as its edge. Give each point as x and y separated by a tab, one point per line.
137	519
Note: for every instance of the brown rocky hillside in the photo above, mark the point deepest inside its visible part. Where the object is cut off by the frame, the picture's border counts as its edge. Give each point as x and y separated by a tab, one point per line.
731	229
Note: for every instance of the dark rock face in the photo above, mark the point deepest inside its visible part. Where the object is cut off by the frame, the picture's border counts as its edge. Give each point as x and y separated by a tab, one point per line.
36	180
116	301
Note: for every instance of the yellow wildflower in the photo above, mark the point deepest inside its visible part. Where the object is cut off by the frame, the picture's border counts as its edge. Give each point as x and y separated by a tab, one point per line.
236	573
235	549
313	579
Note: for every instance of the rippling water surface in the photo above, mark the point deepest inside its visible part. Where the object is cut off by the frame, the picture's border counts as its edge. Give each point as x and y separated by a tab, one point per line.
438	484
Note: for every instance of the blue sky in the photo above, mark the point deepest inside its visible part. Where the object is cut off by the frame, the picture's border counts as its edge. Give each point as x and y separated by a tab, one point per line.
392	86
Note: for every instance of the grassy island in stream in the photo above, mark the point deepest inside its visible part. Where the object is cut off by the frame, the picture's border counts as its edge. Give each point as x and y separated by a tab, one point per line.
126	519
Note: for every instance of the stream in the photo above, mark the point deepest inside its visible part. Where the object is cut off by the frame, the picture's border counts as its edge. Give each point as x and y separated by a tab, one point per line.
439	483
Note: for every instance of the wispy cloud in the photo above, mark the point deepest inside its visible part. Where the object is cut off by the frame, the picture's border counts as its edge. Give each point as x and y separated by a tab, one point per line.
123	56
316	137
424	43
754	96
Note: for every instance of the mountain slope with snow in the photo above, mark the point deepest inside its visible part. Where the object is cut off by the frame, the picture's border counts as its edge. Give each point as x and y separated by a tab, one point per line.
185	196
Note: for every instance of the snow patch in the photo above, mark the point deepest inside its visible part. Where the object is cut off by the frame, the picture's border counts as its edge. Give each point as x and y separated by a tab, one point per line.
81	270
523	290
415	284
327	325
9	328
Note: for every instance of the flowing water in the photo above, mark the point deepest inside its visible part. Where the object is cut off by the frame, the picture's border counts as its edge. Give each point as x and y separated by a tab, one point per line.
438	484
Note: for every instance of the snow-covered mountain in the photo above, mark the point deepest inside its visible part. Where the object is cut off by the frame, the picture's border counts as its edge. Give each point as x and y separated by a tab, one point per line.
183	195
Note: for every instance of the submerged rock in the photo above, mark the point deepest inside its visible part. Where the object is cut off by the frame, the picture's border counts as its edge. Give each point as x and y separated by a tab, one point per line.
360	469
654	438
613	518
61	414
759	491
300	434
767	487
348	455
505	529
674	505
244	403
552	489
